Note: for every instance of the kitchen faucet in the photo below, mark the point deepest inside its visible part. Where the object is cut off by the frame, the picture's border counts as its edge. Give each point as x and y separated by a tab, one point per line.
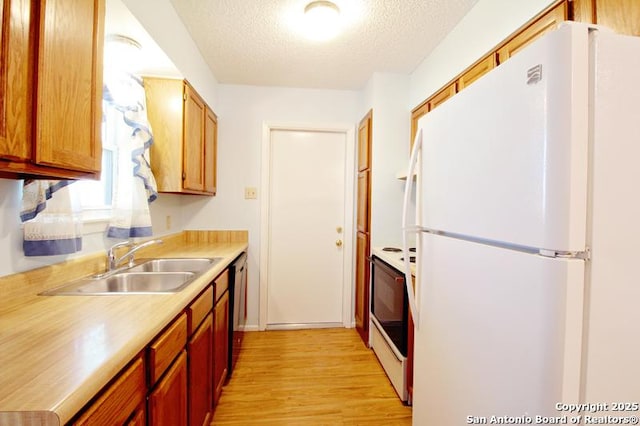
112	262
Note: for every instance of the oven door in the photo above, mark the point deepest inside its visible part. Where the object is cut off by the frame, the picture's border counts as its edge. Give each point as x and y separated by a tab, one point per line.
389	303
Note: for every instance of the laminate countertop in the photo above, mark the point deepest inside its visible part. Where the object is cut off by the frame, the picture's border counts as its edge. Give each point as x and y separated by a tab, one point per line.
57	352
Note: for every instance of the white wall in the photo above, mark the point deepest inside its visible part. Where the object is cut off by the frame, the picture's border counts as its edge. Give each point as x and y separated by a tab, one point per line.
241	113
387	94
161	21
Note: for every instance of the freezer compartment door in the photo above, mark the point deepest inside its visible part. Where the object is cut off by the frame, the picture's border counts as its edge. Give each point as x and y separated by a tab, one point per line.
500	332
506	159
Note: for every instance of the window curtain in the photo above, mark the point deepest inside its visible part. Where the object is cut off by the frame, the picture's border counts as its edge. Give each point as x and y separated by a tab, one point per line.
51	224
126	124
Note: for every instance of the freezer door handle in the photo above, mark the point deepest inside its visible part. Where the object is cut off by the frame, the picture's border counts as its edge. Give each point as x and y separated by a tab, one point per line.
410	229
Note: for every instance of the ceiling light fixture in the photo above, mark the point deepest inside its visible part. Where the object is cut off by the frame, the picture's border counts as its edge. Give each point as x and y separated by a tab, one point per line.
322	20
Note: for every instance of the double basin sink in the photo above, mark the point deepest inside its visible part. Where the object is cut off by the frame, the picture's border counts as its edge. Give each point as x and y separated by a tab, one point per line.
153	276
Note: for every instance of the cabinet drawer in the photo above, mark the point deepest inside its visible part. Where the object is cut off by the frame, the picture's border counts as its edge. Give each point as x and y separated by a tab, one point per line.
166	347
222	284
119	400
199	309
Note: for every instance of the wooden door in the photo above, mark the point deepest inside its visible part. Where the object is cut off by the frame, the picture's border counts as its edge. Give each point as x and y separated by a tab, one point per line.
362	305
69	85
194	116
542	25
210	151
364	142
200	373
15	80
363	238
220	344
364	193
168	401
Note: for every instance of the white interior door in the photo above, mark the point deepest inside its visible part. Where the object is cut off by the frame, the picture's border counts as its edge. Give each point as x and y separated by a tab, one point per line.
306	228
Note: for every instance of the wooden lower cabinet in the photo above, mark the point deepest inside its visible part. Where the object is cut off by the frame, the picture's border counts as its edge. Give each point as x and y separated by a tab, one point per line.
168	401
121	401
200	389
177	379
220	344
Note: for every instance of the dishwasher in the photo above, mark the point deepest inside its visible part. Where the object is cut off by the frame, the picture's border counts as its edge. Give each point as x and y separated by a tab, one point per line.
237	308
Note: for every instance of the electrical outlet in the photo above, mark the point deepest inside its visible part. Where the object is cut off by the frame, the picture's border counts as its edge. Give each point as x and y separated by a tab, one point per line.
168	222
250	193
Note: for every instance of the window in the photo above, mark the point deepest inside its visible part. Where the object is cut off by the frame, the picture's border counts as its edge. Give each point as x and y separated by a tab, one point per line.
95	197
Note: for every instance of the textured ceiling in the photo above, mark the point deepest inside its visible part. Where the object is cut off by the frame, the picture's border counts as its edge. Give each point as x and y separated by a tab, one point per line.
257	42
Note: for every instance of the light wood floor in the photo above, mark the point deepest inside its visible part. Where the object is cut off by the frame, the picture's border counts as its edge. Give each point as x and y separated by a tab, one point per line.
309	377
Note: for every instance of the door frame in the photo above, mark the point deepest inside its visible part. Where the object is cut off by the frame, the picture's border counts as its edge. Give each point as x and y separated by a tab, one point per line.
349	211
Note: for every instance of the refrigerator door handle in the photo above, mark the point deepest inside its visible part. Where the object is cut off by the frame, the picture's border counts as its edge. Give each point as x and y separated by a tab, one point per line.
410	229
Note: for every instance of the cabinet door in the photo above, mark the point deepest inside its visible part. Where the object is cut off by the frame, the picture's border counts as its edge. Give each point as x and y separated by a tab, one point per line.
545	23
362	287
168	401
200	373
220	344
210	151
364	185
478	70
139	418
165	100
192	168
442	96
15	80
122	398
364	142
622	16
416	115
69	84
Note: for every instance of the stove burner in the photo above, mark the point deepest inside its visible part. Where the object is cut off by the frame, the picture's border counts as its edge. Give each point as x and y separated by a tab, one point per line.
392	249
412	259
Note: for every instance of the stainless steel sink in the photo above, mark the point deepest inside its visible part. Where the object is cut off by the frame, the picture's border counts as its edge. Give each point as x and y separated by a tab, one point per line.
127	283
154	276
175	265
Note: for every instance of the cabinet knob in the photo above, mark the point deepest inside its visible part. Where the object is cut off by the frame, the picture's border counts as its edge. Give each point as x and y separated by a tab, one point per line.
184	176
338	243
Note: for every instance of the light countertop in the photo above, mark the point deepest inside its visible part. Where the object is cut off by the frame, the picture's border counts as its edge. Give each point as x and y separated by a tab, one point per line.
57	352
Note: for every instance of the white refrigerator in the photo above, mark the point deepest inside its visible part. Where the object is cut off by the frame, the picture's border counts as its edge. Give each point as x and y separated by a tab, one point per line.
527	293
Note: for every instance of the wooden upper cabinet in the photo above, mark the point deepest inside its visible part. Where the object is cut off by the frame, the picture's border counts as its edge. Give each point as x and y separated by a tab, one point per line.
416	115
442	96
364	142
183	155
194	113
622	16
51	81
17	62
210	151
482	67
543	24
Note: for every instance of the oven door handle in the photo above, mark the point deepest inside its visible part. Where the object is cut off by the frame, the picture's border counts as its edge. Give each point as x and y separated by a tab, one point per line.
407	230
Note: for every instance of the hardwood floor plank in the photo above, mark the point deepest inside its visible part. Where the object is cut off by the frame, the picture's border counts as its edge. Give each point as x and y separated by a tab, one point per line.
308	377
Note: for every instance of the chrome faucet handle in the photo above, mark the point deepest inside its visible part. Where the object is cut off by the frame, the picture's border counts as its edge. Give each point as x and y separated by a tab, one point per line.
111	255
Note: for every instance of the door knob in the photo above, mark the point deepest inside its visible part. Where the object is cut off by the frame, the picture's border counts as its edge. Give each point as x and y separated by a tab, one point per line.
338	243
